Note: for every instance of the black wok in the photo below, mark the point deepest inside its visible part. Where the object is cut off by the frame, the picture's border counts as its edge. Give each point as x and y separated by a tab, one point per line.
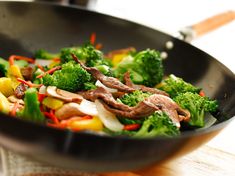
26	27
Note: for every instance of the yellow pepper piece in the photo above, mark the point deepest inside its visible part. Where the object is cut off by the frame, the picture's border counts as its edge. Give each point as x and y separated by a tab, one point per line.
5	86
94	124
4	104
117	59
13	73
52	103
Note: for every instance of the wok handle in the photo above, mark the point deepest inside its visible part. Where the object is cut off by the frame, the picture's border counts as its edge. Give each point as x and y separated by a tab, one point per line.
205	26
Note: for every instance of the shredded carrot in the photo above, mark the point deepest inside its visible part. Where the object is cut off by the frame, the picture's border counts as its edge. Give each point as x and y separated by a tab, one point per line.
56	59
98	46
29	83
11	60
14	109
40	67
16	57
52	116
93	38
49	71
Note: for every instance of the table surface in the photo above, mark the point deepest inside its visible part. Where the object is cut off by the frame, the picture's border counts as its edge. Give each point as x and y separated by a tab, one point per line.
217	157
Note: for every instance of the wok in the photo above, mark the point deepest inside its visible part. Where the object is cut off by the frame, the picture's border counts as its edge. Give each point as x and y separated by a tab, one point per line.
26	27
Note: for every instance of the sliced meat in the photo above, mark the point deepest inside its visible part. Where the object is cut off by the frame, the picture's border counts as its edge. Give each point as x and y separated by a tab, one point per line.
105	96
143	88
150	105
143	109
20	90
27	73
110	82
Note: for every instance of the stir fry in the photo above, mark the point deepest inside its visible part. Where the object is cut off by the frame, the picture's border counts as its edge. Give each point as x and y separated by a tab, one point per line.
122	92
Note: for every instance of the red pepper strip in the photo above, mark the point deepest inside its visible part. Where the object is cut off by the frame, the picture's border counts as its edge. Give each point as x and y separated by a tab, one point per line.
16	57
98	46
14	109
41	97
202	93
49	71
93	38
40	67
131	127
52	116
28	83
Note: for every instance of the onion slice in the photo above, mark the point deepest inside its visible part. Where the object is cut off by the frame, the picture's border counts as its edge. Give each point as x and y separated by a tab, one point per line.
109	119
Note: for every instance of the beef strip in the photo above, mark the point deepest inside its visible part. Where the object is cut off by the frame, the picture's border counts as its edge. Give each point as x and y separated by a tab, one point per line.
20	90
143	88
143	109
150	105
27	73
106	96
110	82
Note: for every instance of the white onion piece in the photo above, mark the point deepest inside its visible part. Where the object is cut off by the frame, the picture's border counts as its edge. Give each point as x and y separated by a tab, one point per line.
99	84
109	119
88	107
43	62
43	89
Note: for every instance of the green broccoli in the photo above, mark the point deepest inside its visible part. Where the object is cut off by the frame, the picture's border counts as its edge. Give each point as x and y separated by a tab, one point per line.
43	54
132	99
158	124
90	56
174	85
71	77
197	106
4	65
145	67
31	109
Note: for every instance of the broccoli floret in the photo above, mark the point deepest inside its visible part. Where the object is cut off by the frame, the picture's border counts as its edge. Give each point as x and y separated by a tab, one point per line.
197	106
174	85
145	67
71	77
43	54
132	99
31	109
158	124
90	56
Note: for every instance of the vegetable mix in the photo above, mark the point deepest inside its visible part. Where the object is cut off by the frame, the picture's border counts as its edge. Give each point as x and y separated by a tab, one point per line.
122	92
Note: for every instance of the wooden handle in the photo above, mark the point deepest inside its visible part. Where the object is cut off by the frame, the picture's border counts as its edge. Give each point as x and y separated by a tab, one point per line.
213	22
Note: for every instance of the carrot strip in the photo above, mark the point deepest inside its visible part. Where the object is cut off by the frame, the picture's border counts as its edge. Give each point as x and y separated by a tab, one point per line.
56	59
40	67
52	116
28	83
14	109
93	38
49	71
98	46
11	60
16	57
